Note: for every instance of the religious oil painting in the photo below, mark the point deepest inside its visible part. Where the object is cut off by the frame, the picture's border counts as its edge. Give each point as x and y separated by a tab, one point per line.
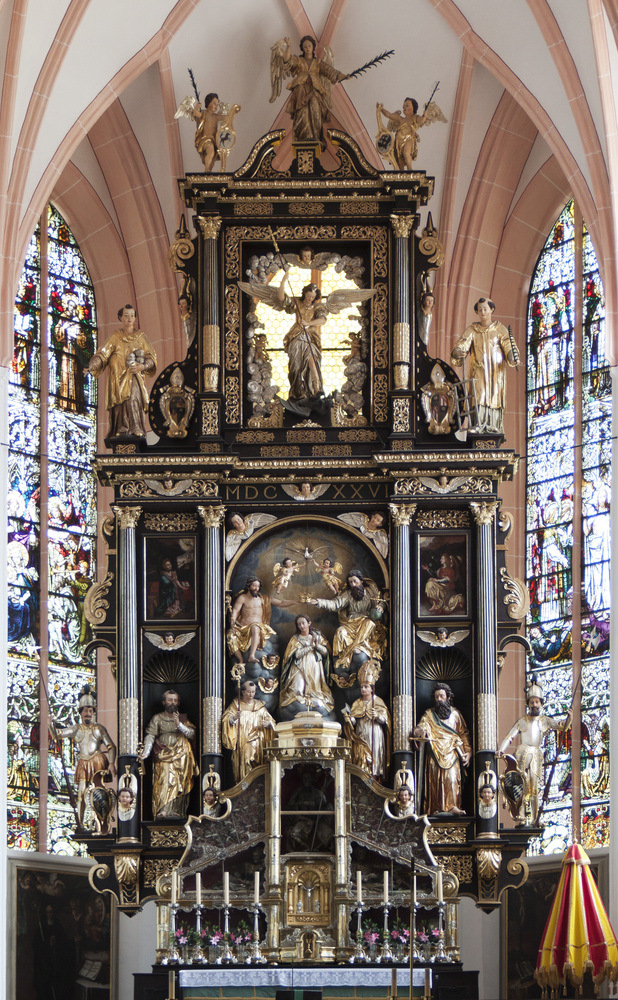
170	578
62	933
443	576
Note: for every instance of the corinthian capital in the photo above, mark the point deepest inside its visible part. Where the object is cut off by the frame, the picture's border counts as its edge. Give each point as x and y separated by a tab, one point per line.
127	517
484	513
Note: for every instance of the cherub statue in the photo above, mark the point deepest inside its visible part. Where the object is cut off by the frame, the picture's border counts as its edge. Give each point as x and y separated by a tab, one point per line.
241	528
214	134
303	341
327	570
404	150
305	491
370	525
168	641
283	572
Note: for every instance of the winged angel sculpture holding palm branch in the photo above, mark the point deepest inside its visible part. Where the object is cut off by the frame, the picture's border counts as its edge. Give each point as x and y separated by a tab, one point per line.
303	342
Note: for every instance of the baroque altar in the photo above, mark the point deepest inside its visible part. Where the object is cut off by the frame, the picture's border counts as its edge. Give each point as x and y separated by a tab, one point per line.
311	549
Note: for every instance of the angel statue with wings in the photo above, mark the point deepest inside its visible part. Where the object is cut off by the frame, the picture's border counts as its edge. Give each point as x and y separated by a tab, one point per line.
303	342
214	132
404	150
310	100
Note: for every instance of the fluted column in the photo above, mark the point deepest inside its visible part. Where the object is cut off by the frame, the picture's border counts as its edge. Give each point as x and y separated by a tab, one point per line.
486	655
213	657
275	899
401	613
127	519
341	856
402	226
211	333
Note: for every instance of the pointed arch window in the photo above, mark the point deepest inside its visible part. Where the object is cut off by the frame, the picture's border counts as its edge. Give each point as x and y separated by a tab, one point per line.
51	530
568	528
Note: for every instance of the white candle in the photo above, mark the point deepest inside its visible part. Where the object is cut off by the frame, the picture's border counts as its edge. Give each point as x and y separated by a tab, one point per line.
226	888
256	887
359	887
174	887
386	887
198	889
440	887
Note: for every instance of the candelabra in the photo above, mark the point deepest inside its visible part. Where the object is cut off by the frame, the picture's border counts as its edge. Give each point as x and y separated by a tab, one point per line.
416	955
359	952
255	954
227	958
441	955
386	954
197	954
173	955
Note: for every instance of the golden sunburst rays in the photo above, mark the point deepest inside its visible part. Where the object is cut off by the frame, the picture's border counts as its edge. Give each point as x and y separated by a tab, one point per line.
170	668
443	665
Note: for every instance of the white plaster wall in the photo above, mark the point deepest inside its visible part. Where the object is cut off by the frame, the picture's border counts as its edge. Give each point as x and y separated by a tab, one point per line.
137	938
479	943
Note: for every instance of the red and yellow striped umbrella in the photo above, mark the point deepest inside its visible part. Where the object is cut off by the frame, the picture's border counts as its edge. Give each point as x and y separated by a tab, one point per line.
578	935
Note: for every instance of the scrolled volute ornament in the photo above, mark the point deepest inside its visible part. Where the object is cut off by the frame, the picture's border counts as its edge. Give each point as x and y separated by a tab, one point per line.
182	248
429	244
517	597
96	604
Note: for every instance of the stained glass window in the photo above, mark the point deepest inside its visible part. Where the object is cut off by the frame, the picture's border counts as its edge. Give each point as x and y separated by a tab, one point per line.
568	510
52	438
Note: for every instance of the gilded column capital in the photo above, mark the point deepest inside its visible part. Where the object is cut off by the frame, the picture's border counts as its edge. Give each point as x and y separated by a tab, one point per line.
212	517
127	517
402	513
402	225
209	225
484	513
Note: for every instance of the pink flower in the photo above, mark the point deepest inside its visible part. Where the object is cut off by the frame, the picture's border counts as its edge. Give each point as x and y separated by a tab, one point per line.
435	932
422	937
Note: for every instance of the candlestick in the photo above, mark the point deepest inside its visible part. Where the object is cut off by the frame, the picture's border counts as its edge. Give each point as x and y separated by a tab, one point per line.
226	888
386	954
227	958
386	887
359	952
359	887
256	888
198	889
256	956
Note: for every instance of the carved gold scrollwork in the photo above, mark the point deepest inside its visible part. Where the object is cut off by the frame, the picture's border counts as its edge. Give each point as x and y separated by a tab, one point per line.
517	598
505	521
253	208
155	867
95	604
126	867
210	414
127	517
380	244
182	248
488	863
171	522
401	415
232	324
430	246
484	513
359	207
446	835
161	837
443	519
212	517
306	208
461	865
402	226
232	400
380	399
380	332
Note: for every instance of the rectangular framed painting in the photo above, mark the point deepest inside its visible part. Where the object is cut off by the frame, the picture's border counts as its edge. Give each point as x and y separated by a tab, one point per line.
170	578
442	587
60	939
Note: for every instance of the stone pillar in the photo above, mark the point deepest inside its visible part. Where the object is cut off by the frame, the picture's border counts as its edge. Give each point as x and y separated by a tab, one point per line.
211	333
401	652
402	330
486	656
213	631
127	519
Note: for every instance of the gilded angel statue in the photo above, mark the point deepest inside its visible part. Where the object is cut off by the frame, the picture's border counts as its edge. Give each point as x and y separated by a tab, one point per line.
303	342
283	573
168	641
371	526
214	132
309	102
241	528
404	149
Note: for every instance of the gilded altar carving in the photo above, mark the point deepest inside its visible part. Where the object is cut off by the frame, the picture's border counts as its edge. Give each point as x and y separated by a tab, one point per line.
126	868
283	451
234	235
357	435
253	208
125	449
486	722
401	415
488	863
170	522
505	523
255	437
210	226
401	343
443	519
359	206
418	485
332	450
517	598
402	225
212	517
212	711
96	604
402	513
127	517
210	416
380	399
430	246
446	834
379	235
182	249
166	836
146	488
308	893
305	435
232	327
403	721
232	399
177	402
380	331
153	868
460	865
484	513
306	208
128	726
